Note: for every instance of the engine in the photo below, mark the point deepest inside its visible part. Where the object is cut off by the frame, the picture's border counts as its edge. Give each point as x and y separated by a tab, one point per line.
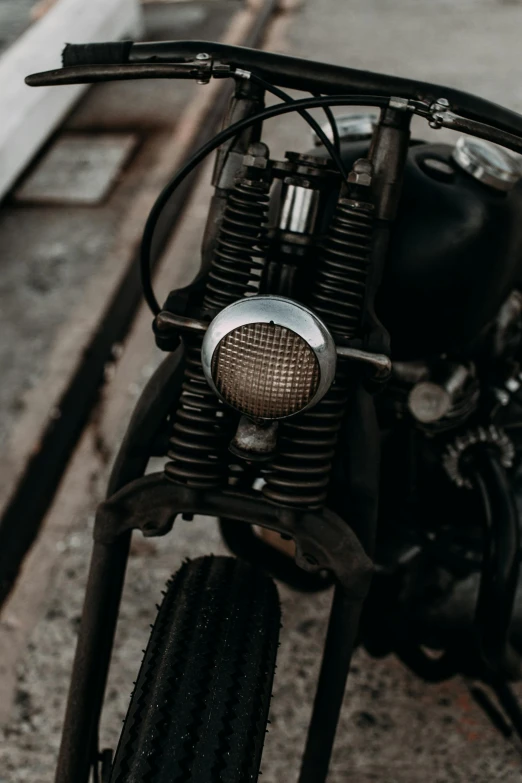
281	298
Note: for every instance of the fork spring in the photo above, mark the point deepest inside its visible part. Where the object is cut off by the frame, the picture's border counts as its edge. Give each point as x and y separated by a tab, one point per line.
300	473
202	426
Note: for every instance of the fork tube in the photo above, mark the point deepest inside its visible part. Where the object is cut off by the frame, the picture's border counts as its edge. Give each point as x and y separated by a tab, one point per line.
388	154
105	582
340	641
100	613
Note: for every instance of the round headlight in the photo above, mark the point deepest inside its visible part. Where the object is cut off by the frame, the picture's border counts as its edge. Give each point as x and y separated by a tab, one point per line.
268	357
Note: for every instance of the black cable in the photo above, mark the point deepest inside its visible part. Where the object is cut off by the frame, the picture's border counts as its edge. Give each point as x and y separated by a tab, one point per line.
220	138
330	148
333	125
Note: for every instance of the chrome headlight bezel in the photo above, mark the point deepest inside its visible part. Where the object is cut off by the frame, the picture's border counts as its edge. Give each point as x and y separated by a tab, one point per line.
282	312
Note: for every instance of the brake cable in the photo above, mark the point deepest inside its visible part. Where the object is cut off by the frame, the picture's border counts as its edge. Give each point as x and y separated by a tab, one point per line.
312	122
336	139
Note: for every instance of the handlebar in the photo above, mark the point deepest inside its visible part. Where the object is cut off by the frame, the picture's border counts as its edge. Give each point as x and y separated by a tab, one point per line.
298	73
109	53
280	70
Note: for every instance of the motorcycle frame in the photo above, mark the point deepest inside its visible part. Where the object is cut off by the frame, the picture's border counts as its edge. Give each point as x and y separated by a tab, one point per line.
150	503
324	539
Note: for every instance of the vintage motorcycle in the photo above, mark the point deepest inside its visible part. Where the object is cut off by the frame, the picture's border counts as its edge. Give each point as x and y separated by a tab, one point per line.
344	371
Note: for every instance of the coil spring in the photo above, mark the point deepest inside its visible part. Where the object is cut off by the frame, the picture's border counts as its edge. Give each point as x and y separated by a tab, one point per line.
238	261
300	474
343	268
198	438
202	425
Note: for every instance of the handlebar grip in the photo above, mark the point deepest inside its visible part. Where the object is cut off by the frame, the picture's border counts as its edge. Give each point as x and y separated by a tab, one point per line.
110	53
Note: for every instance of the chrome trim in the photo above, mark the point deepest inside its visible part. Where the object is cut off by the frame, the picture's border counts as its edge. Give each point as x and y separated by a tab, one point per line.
354	127
254	440
487	163
381	363
299	210
283	312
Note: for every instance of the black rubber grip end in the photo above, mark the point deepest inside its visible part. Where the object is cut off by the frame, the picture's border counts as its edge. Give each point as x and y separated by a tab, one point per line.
110	53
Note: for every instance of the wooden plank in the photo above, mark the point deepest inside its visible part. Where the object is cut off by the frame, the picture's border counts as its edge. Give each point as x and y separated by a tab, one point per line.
56	410
78	493
30	115
78	169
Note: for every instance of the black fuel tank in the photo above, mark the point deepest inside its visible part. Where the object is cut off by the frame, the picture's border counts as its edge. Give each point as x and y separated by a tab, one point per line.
456	252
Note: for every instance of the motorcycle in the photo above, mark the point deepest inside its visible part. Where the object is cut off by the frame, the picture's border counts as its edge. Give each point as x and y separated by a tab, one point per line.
344	371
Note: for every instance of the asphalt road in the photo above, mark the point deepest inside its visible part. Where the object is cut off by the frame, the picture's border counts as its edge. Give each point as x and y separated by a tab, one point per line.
394	727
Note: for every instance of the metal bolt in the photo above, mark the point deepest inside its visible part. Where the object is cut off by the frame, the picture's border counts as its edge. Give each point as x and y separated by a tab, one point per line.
441	104
361	173
438	110
257	156
203	56
502	396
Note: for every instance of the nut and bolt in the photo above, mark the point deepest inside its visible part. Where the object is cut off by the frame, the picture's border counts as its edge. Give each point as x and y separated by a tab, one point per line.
205	77
361	173
437	110
257	156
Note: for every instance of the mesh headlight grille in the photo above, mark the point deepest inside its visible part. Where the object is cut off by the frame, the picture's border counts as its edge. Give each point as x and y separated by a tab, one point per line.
265	371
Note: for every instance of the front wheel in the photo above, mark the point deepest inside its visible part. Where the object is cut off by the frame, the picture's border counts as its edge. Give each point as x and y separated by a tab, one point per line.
200	706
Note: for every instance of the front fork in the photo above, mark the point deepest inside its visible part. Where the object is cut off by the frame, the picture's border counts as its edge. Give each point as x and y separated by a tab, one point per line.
150	503
323	539
79	745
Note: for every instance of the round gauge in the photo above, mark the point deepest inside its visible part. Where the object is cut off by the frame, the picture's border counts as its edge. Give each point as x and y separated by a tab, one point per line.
488	163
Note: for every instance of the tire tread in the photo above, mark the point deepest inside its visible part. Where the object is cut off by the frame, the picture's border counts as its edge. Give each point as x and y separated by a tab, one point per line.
200	705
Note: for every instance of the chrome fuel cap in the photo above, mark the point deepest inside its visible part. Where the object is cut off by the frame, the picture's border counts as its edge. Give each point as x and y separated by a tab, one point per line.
488	163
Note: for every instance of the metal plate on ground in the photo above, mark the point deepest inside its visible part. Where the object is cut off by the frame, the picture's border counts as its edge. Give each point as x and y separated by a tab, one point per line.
15	18
78	169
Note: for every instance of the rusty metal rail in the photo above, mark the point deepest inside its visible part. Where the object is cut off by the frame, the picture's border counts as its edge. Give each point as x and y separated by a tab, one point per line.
30	499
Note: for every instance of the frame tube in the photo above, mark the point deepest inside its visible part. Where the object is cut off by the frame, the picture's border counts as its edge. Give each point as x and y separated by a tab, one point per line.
79	743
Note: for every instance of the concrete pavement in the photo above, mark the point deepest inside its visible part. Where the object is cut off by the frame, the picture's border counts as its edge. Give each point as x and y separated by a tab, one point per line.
394	728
